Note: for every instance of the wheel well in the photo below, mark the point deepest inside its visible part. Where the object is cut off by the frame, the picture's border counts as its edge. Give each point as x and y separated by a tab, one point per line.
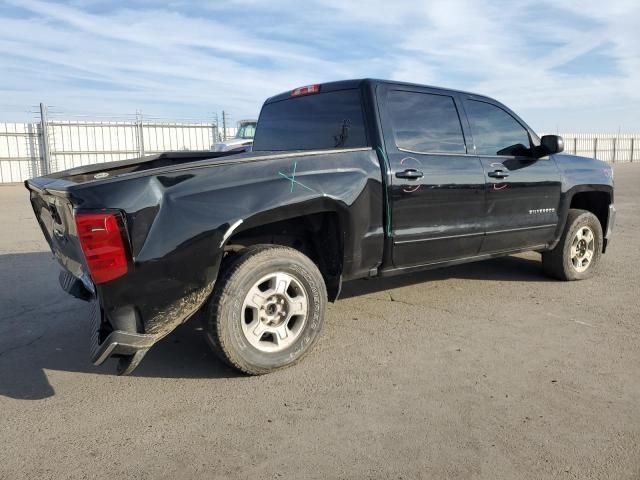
318	236
594	202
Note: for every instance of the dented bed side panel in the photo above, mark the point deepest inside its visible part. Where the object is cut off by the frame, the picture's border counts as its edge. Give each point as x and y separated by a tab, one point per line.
178	221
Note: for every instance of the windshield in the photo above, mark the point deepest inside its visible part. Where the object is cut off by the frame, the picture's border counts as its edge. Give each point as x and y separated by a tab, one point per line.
246	131
312	122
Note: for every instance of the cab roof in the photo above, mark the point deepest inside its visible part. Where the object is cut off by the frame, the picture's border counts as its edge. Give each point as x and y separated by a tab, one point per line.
357	83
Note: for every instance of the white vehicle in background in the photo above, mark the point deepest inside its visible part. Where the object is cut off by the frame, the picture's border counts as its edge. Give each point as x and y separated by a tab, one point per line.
242	142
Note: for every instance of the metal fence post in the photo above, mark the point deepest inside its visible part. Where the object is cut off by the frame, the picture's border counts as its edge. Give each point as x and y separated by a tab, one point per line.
613	140
44	141
216	122
224	126
575	145
631	155
595	147
140	133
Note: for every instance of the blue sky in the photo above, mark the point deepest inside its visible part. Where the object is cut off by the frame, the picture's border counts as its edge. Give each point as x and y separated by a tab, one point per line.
567	66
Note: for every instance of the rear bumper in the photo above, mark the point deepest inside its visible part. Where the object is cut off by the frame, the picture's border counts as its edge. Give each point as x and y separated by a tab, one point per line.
106	342
117	342
75	287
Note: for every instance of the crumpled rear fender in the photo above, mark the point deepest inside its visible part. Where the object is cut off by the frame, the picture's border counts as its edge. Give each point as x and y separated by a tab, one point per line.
179	219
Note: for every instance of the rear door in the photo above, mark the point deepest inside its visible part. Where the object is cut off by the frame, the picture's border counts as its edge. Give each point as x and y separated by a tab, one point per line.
437	188
523	193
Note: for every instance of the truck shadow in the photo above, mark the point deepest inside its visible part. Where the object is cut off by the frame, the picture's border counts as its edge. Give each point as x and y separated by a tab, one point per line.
44	330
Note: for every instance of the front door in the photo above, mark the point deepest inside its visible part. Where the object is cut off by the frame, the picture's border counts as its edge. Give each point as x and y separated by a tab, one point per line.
523	192
437	191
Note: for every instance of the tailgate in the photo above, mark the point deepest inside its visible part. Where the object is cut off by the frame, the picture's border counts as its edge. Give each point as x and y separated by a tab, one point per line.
54	212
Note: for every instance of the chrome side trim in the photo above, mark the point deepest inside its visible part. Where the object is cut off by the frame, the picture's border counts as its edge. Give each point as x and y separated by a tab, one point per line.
522	229
459	154
479	234
445	237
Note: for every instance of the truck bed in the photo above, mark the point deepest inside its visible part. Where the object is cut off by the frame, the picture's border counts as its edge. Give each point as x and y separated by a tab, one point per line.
100	171
177	211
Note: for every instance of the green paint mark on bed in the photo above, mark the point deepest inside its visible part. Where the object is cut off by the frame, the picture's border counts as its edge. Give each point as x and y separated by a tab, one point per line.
293	180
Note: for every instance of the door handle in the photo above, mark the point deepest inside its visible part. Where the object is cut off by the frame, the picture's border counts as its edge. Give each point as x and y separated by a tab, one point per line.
498	174
410	174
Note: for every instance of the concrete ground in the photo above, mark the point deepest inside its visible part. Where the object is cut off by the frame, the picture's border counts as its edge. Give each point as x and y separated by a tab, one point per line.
487	370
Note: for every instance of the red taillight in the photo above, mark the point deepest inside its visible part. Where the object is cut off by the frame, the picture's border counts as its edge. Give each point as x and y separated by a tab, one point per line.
101	241
309	89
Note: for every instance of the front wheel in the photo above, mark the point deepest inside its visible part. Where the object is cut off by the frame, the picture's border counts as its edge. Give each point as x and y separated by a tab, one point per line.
578	252
267	309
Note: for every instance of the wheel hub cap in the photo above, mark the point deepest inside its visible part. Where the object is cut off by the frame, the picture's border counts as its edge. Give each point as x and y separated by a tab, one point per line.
274	312
582	249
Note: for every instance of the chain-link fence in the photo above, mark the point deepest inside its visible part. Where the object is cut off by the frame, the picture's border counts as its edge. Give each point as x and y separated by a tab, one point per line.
612	148
51	144
20	151
73	143
70	143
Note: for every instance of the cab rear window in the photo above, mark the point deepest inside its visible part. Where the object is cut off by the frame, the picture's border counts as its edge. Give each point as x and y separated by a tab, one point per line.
328	120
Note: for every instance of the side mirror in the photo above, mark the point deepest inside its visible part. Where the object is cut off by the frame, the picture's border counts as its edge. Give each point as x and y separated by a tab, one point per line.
552	144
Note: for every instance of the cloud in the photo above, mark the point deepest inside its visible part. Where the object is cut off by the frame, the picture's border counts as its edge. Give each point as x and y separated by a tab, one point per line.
190	59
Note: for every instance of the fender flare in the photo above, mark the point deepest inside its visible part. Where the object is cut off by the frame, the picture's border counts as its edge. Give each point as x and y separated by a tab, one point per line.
565	204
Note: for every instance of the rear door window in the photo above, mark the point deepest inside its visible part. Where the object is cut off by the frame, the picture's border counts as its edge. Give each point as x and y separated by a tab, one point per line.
425	123
312	122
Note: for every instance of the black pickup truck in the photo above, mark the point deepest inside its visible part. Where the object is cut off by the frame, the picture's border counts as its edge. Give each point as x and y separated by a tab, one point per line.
350	179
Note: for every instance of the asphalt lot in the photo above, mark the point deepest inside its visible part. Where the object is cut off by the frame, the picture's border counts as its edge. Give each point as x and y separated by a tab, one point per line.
488	370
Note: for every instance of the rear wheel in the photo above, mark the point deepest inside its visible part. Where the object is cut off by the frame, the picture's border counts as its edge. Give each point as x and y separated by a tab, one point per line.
578	252
267	309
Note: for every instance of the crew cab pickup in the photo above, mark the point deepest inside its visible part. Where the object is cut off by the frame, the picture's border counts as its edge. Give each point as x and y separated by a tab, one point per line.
346	180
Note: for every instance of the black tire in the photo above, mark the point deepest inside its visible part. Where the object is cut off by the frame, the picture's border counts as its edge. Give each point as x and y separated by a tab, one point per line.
557	263
224	313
